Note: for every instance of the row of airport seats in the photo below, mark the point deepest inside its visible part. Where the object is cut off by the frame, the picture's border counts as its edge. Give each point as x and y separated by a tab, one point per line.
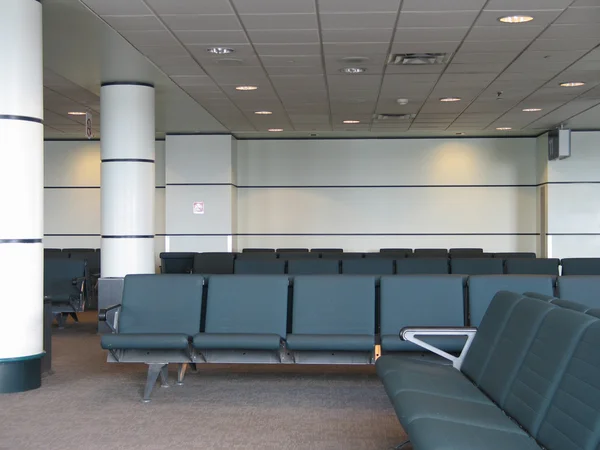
246	263
66	287
311	319
529	380
91	259
183	262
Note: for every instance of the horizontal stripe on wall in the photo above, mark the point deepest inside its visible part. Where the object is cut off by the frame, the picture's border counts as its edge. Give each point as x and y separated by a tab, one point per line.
138	160
85	187
130	236
364	186
20	241
22	118
572	234
348	234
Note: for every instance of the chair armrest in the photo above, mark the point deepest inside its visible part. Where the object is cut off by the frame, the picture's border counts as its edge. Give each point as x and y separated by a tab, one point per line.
103	313
410	334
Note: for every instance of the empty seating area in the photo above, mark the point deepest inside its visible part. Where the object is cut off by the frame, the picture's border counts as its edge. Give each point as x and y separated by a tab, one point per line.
299	261
305	319
529	380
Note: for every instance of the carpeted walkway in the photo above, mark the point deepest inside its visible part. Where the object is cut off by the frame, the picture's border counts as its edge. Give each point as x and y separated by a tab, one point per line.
88	403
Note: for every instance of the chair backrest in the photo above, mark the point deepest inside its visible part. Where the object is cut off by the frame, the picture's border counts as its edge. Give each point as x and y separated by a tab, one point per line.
258	250
374	266
508	255
327	250
538	266
247	304
167	303
580	266
430	253
419	300
465	252
177	262
476	266
396	251
583	289
421	266
482	289
340	256
55	253
572	421
299	255
570	305
292	250
257	255
259	267
313	267
334	305
59	274
213	263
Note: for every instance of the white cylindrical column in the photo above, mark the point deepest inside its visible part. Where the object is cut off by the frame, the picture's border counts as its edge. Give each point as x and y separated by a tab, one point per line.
21	195
127	141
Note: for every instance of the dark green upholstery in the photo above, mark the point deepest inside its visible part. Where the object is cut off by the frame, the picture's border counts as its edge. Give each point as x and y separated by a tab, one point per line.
155	341
259	267
333	310
258	250
213	263
538	266
158	311
177	262
421	300
571	305
482	289
299	256
237	341
379	266
394	252
509	255
476	266
583	289
340	256
242	305
437	434
572	421
292	250
422	266
60	279
327	250
465	252
531	391
430	253
254	256
313	266
580	266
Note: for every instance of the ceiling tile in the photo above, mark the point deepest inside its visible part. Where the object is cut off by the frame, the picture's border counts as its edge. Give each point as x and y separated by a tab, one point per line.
280	21
145	38
518	5
430	34
118	7
563	44
541	18
283	36
341	21
462	57
494	46
287	61
345	6
425	47
153	51
196	22
274	6
212	37
190	6
192	80
501	33
295	70
436	19
476	68
134	23
361	49
358	35
580	31
288	49
446	5
580	16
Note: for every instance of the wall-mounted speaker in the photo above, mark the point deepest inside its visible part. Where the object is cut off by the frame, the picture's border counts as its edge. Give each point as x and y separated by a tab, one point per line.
559	144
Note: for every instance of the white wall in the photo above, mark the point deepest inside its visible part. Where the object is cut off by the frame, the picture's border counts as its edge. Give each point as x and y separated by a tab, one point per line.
574	199
72	194
362	195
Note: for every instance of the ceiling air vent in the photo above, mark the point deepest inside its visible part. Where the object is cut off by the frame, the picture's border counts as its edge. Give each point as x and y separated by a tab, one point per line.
394	117
418	59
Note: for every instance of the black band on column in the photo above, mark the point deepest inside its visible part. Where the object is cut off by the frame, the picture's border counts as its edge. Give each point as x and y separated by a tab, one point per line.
131	236
128	160
20	241
127	83
23	118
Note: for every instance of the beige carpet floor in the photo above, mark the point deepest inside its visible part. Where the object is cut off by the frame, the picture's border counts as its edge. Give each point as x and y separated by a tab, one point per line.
87	403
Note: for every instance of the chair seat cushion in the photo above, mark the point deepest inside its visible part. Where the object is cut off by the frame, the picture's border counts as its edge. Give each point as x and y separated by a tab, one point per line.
411	405
236	341
436	434
326	342
131	341
393	343
401	374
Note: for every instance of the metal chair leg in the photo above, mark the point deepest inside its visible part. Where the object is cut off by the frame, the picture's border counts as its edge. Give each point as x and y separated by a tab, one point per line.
164	376
181	373
401	445
154	370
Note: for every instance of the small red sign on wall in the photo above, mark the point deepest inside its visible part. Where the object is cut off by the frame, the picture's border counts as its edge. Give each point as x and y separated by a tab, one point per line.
198	208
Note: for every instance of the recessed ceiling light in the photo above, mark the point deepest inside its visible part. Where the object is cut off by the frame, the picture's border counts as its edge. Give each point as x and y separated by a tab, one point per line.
263	113
76	113
352	70
246	88
503	128
532	109
515	19
220	50
351	121
275	130
572	84
450	99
